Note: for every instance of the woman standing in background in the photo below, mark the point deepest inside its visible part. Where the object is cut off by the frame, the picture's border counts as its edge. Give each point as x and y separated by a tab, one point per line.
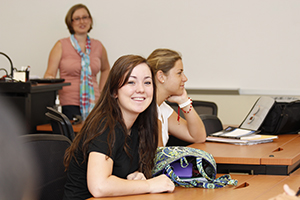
79	59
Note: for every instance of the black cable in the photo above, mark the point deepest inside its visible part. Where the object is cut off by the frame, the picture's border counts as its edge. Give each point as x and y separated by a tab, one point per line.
11	65
5	71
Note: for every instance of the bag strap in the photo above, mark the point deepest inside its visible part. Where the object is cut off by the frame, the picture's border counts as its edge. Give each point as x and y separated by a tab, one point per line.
202	170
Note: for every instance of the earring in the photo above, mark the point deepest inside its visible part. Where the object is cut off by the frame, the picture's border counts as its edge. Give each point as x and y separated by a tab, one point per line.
163	81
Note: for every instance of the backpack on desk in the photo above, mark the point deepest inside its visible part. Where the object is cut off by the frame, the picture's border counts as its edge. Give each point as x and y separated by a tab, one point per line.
189	167
274	115
284	117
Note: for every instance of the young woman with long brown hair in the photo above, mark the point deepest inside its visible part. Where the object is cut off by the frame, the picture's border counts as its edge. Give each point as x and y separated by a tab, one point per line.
113	153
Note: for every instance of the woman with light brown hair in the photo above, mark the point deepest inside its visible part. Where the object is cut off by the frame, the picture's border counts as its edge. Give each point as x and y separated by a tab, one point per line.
79	59
170	80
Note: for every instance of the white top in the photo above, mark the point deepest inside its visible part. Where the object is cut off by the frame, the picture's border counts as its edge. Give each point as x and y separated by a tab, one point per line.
164	112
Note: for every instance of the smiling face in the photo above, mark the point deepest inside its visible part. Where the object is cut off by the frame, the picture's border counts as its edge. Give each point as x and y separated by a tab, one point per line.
137	93
81	21
175	79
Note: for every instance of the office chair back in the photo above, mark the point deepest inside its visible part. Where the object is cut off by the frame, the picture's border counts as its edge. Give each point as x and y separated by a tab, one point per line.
205	107
201	107
208	113
212	123
60	123
49	150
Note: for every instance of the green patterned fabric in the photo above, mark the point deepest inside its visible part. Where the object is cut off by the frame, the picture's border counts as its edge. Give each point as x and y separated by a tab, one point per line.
204	167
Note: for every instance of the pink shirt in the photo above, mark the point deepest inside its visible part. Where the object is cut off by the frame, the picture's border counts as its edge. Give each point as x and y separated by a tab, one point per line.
70	69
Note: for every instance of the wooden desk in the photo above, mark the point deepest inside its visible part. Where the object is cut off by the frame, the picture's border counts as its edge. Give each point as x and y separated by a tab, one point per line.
296	173
278	158
292	181
249	187
48	128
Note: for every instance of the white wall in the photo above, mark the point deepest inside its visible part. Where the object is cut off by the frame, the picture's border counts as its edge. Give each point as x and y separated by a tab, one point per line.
254	44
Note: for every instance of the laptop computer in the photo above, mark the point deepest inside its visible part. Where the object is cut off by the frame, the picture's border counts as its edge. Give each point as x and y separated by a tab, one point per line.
252	122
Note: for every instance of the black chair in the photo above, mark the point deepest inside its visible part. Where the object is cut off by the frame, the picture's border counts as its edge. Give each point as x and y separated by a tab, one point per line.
201	107
208	113
212	123
60	123
48	151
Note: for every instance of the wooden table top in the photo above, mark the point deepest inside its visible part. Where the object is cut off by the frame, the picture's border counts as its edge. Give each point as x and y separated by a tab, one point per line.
282	151
47	127
288	153
261	187
296	173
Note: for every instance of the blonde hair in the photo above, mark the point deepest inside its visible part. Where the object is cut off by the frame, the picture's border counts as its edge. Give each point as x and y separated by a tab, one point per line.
163	59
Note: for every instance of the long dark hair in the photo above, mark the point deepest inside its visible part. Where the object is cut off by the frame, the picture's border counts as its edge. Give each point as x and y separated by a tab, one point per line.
107	114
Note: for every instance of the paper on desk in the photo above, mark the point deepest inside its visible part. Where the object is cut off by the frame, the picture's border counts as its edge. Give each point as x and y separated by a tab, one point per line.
259	137
233	132
248	140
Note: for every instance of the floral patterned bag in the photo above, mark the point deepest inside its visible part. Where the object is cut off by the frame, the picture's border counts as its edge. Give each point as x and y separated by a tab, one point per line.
189	167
